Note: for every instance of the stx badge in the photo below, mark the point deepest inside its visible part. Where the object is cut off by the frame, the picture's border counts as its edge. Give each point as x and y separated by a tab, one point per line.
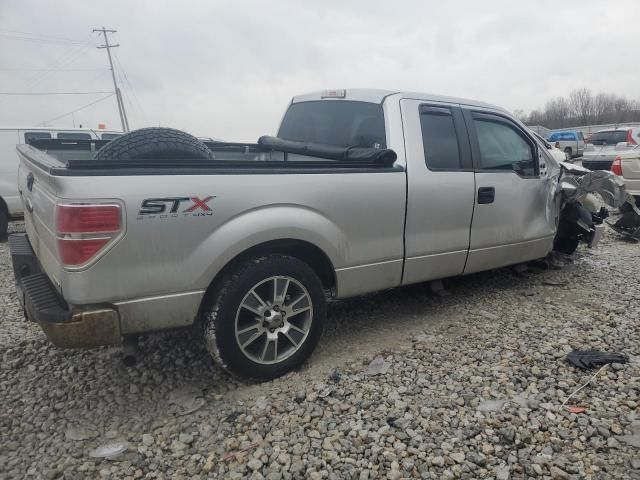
171	207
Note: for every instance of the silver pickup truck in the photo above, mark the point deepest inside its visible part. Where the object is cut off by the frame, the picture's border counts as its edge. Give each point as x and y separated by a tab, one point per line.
361	190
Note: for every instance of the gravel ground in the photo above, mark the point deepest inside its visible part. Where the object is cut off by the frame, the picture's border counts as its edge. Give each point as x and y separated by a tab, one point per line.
465	385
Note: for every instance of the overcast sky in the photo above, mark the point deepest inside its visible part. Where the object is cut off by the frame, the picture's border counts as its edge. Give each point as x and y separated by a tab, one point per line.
228	68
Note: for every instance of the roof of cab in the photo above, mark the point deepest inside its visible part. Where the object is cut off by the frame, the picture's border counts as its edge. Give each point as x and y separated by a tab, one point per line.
373	95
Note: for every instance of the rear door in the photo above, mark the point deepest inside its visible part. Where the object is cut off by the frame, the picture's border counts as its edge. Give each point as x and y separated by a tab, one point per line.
513	220
440	190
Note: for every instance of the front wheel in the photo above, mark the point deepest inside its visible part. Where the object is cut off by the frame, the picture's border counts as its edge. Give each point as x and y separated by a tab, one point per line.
265	318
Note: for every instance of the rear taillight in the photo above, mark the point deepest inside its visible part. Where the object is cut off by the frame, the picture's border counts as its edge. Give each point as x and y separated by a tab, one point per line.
84	230
616	166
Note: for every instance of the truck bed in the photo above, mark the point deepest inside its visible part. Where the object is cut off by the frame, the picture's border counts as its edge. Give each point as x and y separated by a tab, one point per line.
161	265
76	158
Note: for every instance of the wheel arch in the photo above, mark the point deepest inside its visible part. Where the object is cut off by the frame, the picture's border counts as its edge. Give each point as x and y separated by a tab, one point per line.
303	250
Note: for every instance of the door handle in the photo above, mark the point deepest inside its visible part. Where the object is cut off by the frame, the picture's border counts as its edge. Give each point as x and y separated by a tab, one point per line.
29	205
486	195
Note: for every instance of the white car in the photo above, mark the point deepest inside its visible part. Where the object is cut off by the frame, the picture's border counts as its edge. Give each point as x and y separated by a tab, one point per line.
10	204
627	166
603	146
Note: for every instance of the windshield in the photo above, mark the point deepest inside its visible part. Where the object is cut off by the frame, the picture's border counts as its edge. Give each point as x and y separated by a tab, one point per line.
610	137
338	123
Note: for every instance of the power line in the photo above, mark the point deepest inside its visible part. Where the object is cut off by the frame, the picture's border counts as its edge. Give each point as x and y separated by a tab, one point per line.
42	40
131	89
111	94
53	69
52	93
62	61
41	36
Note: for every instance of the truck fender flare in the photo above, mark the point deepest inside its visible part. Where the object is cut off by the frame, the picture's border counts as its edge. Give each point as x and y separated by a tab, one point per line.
264	227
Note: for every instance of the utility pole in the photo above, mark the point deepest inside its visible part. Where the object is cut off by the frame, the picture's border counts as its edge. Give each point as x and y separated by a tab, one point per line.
108	46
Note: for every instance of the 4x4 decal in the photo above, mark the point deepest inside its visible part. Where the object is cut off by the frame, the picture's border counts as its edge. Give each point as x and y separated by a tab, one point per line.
174	207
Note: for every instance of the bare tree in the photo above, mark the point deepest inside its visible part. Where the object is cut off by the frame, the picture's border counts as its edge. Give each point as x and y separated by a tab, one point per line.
581	107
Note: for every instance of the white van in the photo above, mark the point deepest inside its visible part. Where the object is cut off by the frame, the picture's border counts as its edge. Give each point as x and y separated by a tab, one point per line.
10	205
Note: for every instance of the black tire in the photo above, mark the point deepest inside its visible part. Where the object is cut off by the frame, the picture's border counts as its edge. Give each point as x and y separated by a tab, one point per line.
223	305
568	153
154	143
4	224
566	245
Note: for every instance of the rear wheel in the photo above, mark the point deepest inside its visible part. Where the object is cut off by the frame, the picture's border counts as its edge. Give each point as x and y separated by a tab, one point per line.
4	224
568	154
265	318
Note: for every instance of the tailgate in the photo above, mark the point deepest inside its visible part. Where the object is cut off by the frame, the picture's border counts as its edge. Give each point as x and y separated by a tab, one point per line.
37	191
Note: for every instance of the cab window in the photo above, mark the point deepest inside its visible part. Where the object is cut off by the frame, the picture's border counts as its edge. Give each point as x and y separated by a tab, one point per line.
110	136
73	136
339	123
439	139
502	147
28	136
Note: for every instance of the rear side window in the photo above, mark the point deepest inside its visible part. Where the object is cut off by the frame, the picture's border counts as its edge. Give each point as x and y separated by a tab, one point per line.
110	136
439	139
28	136
503	148
339	123
608	138
73	136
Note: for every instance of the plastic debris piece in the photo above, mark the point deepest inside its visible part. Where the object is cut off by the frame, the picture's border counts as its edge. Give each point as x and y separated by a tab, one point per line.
588	359
78	433
378	366
491	405
109	450
187	399
576	409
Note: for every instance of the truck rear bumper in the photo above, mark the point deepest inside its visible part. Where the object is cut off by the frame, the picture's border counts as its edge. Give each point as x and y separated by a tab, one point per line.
64	327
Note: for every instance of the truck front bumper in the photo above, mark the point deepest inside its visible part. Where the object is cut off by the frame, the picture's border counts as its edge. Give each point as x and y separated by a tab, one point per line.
64	326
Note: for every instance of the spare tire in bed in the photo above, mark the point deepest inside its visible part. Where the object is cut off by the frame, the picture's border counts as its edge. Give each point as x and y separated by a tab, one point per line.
154	143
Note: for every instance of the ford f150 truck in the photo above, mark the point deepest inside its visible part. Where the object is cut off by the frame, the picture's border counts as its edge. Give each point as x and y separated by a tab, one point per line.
361	190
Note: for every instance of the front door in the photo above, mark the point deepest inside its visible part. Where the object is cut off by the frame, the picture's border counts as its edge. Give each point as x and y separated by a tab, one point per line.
512	221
